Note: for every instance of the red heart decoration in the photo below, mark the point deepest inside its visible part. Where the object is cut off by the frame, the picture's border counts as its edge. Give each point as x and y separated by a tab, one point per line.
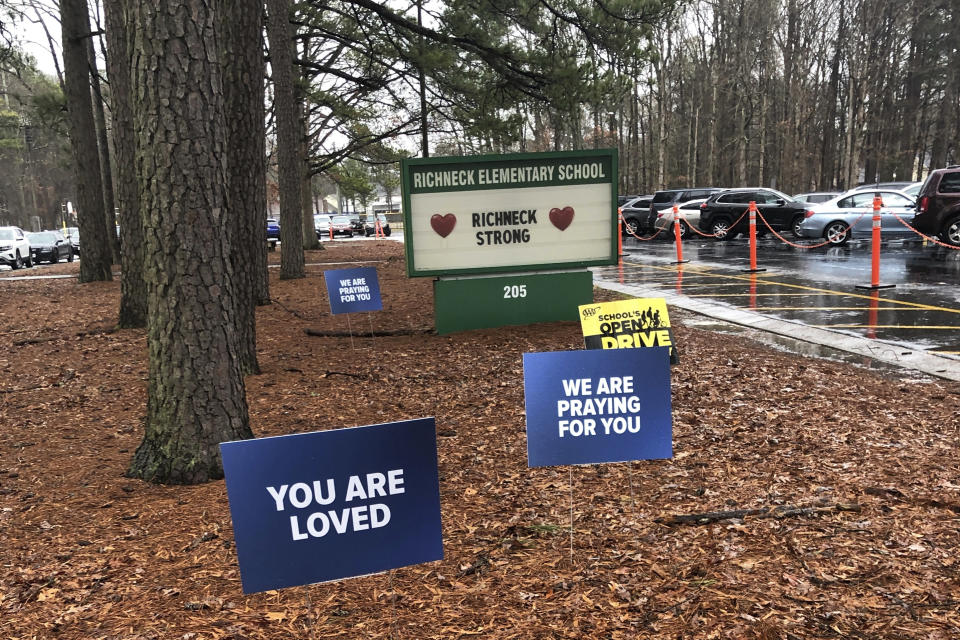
561	218
443	225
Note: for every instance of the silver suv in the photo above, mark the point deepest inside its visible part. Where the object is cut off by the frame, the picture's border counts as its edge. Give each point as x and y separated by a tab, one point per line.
14	248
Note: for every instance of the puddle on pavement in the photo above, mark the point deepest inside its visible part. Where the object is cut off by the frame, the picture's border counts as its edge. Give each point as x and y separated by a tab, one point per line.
799	347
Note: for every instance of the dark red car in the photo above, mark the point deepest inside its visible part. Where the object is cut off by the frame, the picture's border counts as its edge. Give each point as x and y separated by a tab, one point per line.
938	205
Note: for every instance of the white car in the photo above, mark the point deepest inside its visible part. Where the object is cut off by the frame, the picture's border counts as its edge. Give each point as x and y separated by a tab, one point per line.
689	216
14	248
321	224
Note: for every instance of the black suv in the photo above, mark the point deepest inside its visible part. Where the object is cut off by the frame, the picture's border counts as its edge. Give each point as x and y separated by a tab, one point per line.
938	205
669	197
723	213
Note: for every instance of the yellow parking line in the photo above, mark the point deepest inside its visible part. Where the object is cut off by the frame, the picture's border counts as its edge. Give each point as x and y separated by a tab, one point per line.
747	295
885	326
750	279
834	309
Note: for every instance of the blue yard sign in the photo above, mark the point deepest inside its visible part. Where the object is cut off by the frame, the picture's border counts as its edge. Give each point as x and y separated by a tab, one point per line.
352	290
322	506
587	407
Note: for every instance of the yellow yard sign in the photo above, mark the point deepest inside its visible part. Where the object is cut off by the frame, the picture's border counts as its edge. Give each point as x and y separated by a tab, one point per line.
628	324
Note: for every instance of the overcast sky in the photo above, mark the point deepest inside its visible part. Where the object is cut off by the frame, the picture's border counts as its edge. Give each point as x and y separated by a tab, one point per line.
33	40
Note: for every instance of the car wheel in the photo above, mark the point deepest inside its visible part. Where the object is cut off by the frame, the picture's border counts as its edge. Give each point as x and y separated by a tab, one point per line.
631	226
951	232
795	225
837	233
386	231
29	261
684	232
720	228
17	262
70	257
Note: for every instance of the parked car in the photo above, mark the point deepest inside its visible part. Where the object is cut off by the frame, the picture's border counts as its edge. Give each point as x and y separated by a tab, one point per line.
689	216
634	212
73	235
938	205
897	186
341	226
621	200
369	229
14	248
815	197
723	214
321	224
851	214
50	246
666	199
273	229
356	224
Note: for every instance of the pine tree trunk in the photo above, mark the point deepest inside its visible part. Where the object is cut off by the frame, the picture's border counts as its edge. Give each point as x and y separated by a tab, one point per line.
133	289
288	139
243	84
100	119
310	240
195	397
96	260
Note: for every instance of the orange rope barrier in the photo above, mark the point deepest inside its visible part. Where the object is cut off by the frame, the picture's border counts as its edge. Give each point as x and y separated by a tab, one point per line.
709	235
627	229
801	246
923	235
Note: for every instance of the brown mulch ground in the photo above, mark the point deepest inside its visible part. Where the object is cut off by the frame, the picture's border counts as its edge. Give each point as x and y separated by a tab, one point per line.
88	553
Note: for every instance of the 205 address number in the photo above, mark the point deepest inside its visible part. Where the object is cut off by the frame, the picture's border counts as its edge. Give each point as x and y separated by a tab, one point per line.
511	291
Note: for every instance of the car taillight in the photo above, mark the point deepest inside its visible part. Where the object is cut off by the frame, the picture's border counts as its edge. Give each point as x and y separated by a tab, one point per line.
924	203
659	215
808	213
703	205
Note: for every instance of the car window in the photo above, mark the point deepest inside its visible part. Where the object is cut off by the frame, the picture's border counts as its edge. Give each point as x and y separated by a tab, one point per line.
6	234
950	183
895	200
862	200
663	196
741	197
765	197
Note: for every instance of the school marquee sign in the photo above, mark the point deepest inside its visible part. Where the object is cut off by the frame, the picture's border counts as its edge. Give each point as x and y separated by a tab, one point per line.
520	212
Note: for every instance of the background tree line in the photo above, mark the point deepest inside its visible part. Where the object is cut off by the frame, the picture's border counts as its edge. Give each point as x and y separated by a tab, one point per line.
794	94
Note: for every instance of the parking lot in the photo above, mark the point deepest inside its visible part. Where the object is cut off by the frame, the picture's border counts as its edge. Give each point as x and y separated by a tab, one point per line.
815	287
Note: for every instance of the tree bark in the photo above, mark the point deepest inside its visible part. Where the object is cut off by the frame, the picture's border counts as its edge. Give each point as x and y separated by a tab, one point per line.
103	144
310	240
133	289
247	191
288	139
75	24
195	394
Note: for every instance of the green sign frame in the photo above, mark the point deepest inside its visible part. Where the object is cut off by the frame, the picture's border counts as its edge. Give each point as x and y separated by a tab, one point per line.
505	171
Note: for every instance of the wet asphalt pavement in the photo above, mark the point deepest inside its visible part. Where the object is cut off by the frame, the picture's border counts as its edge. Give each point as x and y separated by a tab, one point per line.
815	287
